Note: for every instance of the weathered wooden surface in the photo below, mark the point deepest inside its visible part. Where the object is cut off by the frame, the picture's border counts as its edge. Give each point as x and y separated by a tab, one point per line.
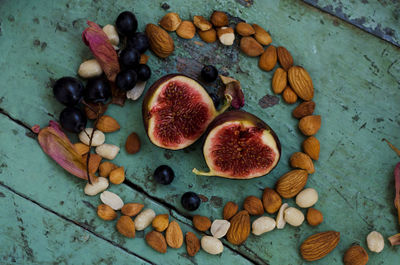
380	18
357	92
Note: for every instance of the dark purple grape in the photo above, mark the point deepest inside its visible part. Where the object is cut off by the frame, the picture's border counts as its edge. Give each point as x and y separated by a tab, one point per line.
209	73
143	72
164	175
68	90
129	57
73	119
138	41
97	90
126	79
126	23
190	201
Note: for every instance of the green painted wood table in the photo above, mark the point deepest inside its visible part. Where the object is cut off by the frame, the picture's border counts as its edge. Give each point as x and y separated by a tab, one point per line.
350	49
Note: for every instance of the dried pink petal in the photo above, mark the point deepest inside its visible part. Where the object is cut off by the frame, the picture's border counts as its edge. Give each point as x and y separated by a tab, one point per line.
395	240
102	49
56	144
397	188
233	91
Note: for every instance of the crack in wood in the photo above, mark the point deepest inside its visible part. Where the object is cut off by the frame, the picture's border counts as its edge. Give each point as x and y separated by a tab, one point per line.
377	32
171	208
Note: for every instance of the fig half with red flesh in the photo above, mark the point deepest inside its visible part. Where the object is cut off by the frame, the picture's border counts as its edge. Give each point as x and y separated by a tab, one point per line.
177	111
239	145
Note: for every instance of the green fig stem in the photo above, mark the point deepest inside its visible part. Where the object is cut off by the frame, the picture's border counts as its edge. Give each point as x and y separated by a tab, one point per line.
227	104
202	173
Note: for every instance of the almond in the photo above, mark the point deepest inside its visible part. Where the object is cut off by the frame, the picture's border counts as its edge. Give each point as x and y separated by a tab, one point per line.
314	217
268	59
355	255
156	240
126	226
244	29
226	36
208	36
253	205
303	161
117	176
284	58
201	223
201	23
105	168
192	244
311	147
239	229
94	162
279	80
309	125
304	109
271	200
81	148
160	222
174	235
170	21
106	213
92	109
261	35
186	30
251	47
290	184
219	19
300	81
107	124
132	144
160	41
131	209
289	96
143	58
319	245
230	210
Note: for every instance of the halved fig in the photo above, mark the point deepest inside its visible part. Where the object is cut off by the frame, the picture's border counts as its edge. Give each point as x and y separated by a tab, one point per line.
239	145
177	110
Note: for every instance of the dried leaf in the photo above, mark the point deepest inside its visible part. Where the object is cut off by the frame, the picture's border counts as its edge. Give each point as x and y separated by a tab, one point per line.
395	240
101	47
233	90
397	188
118	96
56	144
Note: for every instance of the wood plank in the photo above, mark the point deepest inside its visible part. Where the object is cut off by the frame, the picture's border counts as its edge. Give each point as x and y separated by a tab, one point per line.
33	235
42	181
356	78
380	18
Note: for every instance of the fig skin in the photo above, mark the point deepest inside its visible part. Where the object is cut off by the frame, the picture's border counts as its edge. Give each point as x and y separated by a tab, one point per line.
238	115
150	93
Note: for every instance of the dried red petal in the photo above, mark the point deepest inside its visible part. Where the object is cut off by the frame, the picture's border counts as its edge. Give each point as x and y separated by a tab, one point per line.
101	47
56	144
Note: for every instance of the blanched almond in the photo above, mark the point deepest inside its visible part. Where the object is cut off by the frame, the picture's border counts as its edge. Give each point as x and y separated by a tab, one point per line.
226	36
